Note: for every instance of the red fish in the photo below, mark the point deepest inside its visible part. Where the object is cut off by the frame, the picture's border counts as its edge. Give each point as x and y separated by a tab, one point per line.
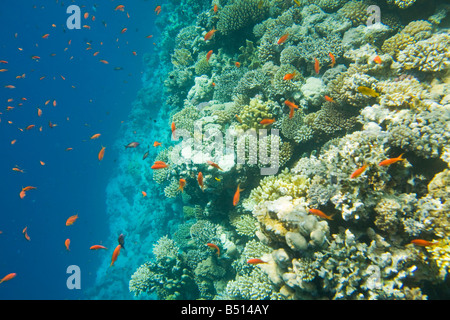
358	172
156	144
71	220
115	254
329	99
333	59
390	161
120	7
255	261
283	39
8	277
377	59
172	127
67	244
237	195
291	106
158	10
210	34
132	145
97	246
159	165
267	121
200	180
101	153
182	184
316	65
424	243
238	64
215	165
215	8
208	55
320	214
212	245
289	76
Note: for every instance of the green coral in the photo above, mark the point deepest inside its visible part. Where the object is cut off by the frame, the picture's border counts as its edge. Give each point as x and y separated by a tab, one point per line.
241	14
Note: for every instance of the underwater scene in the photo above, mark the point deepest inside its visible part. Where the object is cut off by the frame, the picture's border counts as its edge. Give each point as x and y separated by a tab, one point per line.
225	150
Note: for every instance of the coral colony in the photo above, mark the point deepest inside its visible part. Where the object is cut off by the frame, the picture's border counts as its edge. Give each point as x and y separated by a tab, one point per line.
357	116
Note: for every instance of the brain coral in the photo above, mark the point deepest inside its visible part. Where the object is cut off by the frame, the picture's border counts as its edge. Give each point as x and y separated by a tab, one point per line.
241	14
356	11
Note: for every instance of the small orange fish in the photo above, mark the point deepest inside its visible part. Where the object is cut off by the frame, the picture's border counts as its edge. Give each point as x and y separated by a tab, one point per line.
377	59
255	261
215	8
333	59
172	127
158	10
97	246
22	194
283	39
156	144
115	254
17	169
237	195
67	244
71	220
8	277
390	161
124	30
25	234
316	65
144	194
423	243
159	165
9	86
215	165
39	112
182	184
320	214
292	106
54	103
31	126
208	55
42	163
289	76
101	153
96	136
267	121
86	15
329	99
200	180
237	64
45	36
28	188
120	7
212	245
149	36
358	172
104	61
210	34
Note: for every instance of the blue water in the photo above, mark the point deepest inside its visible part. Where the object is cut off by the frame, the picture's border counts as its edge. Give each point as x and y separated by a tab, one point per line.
93	98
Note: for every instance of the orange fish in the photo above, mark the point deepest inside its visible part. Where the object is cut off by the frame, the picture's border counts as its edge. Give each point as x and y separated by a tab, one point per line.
71	220
144	194
156	144
9	86
42	163
208	55
282	39
3	61
390	161
358	172
215	8
329	99
104	61
54	103
159	165
316	65
237	195
158	10
39	112
97	246
22	194
28	188
215	165
333	59
45	36
25	234
101	154
289	76
67	244
320	214
267	121
210	34
212	245
8	277
182	184
292	106
124	30
424	243
86	15
149	36
120	7
17	169
95	136
31	126
237	64
172	127
255	261
200	180
13	141
377	59
115	254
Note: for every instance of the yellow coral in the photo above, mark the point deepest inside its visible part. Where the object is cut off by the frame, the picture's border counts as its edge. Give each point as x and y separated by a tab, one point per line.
441	255
252	114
